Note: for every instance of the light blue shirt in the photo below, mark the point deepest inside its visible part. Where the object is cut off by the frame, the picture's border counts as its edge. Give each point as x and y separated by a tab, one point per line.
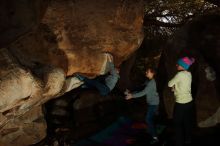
112	78
150	91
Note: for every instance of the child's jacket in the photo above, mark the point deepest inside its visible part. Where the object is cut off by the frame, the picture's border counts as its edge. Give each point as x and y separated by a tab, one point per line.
150	91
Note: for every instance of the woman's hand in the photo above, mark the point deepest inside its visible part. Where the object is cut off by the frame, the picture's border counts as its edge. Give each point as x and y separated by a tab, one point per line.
128	96
126	92
173	88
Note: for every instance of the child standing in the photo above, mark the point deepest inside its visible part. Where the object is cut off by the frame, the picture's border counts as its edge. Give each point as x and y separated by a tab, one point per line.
152	99
183	108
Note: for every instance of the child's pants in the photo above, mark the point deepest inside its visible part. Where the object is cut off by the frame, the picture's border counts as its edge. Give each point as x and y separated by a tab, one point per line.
101	87
150	117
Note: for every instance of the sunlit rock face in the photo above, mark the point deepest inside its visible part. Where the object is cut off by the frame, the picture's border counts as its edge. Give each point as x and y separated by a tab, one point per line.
83	30
44	45
199	39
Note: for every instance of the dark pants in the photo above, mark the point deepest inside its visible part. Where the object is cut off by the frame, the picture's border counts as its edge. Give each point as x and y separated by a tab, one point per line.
101	87
150	118
183	122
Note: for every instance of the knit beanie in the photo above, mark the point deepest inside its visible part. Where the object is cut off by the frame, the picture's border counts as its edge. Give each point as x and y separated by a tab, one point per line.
185	62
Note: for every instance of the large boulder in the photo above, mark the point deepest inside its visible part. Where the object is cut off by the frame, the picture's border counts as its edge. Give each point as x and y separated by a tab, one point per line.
48	46
83	30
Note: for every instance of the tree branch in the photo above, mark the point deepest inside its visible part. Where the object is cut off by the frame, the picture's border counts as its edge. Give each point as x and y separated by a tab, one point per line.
153	21
162	24
215	2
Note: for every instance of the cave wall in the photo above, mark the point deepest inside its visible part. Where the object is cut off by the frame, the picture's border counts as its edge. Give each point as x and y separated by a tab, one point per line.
43	43
18	17
198	39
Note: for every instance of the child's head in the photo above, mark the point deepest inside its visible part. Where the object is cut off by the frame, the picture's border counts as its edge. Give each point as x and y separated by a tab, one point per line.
184	63
150	72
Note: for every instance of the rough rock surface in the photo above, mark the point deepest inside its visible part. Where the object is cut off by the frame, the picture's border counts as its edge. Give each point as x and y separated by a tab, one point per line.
26	129
42	46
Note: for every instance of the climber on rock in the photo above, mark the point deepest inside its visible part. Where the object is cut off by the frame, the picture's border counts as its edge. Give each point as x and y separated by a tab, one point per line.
110	80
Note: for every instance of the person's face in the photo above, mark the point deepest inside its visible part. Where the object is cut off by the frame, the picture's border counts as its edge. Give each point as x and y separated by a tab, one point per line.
179	67
149	74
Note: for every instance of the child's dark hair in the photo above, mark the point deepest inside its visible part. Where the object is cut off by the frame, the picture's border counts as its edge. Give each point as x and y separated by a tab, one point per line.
152	69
